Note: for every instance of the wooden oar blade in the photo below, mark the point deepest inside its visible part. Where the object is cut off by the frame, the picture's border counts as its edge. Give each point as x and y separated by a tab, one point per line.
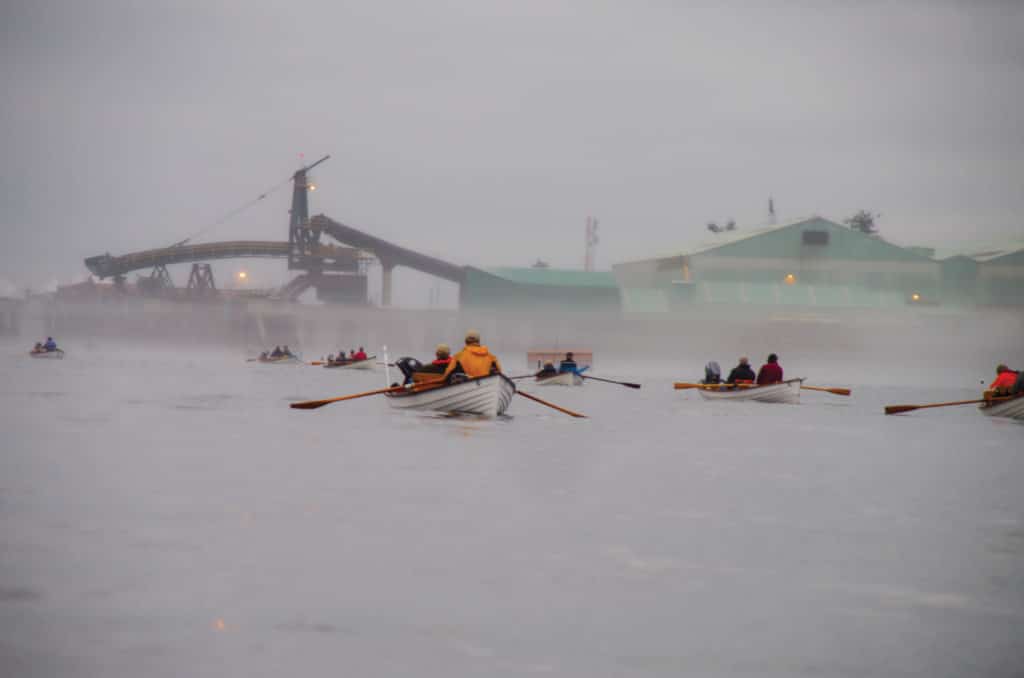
841	391
897	409
310	404
680	385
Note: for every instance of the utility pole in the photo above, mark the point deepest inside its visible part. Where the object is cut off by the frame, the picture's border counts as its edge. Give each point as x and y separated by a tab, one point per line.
591	244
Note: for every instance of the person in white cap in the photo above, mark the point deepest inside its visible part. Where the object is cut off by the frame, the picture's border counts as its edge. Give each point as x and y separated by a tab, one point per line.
474	360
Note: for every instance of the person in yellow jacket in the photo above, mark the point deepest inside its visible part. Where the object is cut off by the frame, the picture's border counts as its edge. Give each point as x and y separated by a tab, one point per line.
474	360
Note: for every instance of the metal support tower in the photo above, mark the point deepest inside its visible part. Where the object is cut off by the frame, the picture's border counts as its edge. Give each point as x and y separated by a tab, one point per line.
303	241
200	281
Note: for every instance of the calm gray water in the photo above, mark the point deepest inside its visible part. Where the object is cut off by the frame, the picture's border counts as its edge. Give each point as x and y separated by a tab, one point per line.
166	514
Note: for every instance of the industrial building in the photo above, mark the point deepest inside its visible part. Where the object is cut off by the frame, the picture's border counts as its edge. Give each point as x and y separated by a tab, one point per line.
991	275
811	262
540	289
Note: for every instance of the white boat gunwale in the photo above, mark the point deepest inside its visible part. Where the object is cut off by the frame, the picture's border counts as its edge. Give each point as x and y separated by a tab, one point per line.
786	391
487	396
560	379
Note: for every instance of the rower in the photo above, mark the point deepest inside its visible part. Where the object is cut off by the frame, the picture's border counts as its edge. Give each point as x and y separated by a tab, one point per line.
442	358
1005	381
742	373
712	373
547	371
473	361
50	344
276	353
360	355
568	364
770	372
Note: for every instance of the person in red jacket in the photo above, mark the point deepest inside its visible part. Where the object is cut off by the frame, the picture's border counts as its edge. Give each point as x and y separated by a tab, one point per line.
360	355
770	372
1004	382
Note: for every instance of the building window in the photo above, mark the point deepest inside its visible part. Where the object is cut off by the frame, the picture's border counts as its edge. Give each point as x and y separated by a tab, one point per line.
815	237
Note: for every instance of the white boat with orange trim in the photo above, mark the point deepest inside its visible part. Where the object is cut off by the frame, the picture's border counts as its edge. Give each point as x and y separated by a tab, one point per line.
367	363
562	379
486	396
787	391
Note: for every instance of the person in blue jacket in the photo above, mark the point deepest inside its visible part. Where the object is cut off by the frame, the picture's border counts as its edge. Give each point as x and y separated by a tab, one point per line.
50	344
567	365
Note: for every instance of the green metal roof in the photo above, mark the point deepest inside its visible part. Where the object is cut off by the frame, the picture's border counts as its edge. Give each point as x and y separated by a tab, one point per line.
558	277
847	243
982	252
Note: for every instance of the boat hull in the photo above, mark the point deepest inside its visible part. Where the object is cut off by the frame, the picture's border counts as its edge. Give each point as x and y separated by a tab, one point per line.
487	396
784	392
1011	409
563	379
286	360
367	364
47	355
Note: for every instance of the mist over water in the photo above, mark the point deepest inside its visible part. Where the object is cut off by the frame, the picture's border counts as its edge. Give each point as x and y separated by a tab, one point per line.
164	513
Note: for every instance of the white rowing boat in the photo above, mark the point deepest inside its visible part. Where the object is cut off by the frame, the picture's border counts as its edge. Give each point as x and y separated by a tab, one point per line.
487	396
281	360
563	379
1012	409
783	392
367	364
56	354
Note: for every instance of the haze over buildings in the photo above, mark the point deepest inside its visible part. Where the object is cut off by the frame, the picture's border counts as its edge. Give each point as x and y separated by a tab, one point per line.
485	133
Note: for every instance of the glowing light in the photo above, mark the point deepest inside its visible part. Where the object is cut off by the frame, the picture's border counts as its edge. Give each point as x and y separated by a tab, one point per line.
789	279
312	187
915	296
242	275
219	625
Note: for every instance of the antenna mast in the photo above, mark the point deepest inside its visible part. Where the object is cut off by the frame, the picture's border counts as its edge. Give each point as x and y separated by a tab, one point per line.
591	244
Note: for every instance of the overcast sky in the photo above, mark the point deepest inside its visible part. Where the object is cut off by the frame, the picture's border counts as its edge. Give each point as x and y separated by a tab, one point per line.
486	132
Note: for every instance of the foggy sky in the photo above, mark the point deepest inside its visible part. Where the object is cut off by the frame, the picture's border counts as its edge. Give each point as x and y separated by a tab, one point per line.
486	132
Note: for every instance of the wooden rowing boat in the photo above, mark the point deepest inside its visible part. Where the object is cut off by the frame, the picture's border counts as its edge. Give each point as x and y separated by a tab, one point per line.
56	354
563	379
366	364
281	360
1012	408
783	392
486	396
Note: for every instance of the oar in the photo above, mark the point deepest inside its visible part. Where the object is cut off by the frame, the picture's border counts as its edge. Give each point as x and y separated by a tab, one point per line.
837	391
317	362
897	409
610	381
313	404
552	405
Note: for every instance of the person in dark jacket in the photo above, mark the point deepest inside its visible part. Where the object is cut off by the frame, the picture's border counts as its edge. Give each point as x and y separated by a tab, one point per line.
742	373
770	372
547	371
276	353
442	358
712	373
567	365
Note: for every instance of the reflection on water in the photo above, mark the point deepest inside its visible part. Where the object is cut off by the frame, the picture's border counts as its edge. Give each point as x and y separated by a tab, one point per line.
663	535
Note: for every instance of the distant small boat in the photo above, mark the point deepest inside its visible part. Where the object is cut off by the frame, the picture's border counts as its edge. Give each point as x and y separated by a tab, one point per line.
561	379
279	360
783	392
366	364
56	354
486	396
1012	409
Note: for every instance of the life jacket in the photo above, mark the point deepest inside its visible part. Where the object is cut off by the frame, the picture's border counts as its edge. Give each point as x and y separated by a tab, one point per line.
475	361
567	366
1005	381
